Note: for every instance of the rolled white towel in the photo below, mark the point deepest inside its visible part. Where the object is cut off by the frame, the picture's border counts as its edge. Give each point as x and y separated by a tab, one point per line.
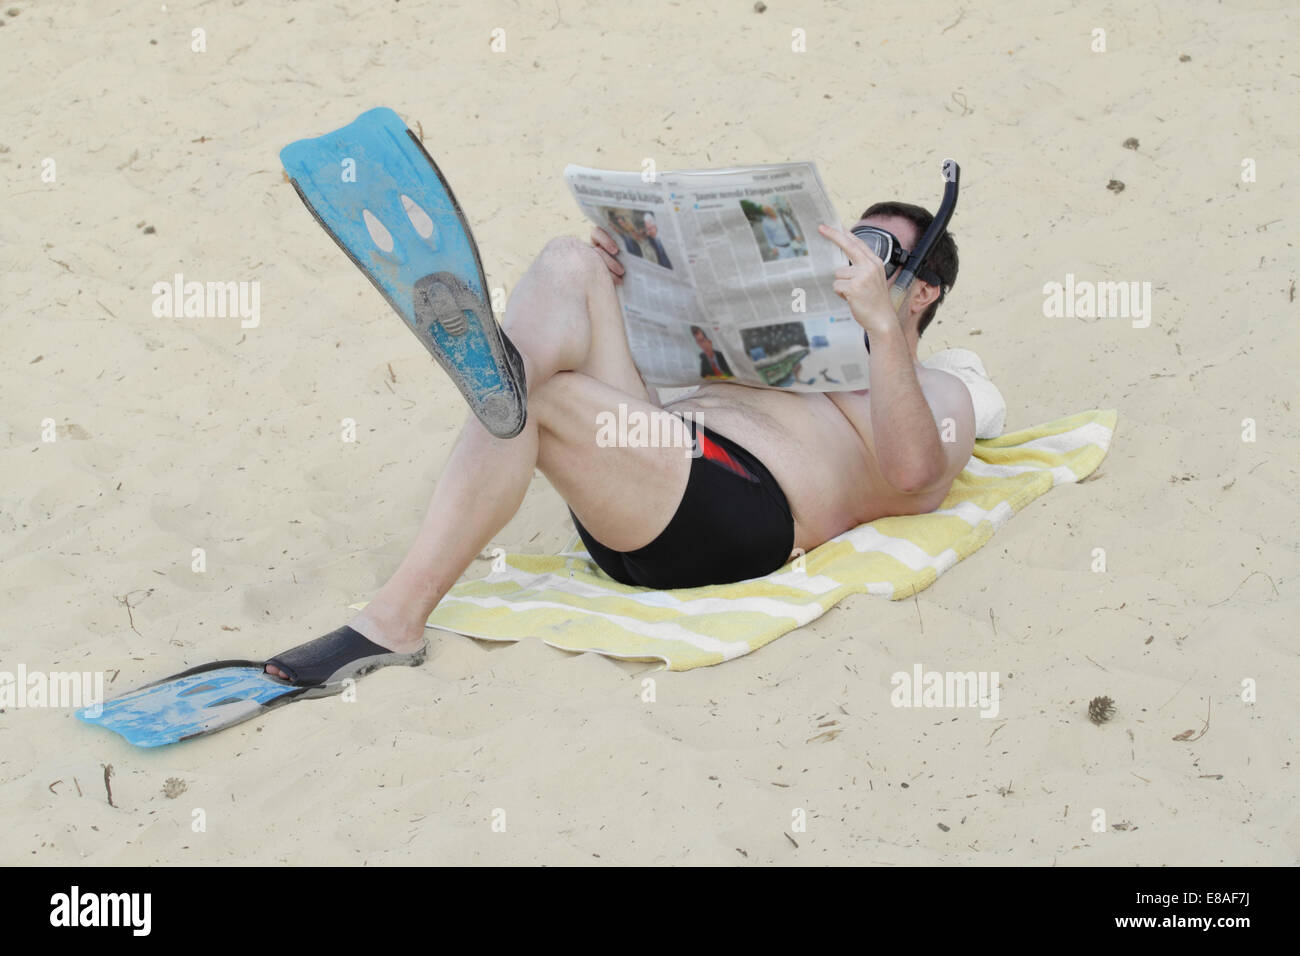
990	407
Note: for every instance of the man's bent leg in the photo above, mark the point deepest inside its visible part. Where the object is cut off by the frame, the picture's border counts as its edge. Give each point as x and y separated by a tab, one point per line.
621	464
563	316
625	496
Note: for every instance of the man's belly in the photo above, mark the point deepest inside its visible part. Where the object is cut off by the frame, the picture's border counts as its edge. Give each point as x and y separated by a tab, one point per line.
806	442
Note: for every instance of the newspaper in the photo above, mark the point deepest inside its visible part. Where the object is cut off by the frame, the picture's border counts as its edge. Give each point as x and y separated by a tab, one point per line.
727	278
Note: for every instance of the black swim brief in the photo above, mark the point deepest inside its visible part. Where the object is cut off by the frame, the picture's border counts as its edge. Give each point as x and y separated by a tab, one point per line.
733	523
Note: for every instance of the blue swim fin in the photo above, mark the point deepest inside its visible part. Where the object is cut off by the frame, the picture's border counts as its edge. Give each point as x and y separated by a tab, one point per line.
193	703
380	196
212	697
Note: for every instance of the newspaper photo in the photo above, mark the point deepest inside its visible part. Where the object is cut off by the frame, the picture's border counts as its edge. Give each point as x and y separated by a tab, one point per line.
726	276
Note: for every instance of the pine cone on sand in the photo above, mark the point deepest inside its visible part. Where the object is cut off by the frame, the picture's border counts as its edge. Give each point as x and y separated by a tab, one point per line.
1101	709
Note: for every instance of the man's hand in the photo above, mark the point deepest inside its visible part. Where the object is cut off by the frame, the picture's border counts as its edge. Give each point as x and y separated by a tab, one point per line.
862	284
608	250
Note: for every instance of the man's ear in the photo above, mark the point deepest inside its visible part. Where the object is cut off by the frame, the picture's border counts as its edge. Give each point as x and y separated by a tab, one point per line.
926	294
923	296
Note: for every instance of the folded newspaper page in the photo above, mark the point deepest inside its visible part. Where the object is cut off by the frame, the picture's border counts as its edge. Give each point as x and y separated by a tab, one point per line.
727	277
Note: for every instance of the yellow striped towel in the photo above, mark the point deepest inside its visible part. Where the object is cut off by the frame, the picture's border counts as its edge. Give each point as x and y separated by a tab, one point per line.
567	602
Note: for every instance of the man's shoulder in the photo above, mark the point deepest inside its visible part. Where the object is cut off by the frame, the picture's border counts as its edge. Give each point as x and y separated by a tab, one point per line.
965	366
943	389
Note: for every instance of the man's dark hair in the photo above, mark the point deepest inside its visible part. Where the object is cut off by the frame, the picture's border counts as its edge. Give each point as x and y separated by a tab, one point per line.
942	260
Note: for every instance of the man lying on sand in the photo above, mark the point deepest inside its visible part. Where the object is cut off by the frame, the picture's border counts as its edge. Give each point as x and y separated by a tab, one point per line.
772	471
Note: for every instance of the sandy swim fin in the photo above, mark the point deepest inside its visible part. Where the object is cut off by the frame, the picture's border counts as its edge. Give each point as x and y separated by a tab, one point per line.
380	196
212	697
192	703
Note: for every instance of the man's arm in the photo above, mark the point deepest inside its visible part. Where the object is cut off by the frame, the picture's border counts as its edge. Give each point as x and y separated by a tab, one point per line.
922	428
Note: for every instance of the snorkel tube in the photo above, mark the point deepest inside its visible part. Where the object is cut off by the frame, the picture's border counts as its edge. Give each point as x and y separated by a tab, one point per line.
907	274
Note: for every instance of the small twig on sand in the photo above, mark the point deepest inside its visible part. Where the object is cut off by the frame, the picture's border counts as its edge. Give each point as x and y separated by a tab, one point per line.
1177	692
1186	735
1243	581
125	601
1206	728
917	601
108	772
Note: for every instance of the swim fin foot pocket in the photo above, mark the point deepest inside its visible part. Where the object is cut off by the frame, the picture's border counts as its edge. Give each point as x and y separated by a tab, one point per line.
450	317
323	665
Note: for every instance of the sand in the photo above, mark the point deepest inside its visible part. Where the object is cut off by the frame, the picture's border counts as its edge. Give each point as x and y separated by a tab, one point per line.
176	434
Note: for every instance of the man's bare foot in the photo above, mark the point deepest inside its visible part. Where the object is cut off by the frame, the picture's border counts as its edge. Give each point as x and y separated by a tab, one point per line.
382	629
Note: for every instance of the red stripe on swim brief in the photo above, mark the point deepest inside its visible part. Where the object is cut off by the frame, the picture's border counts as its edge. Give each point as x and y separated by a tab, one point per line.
716	453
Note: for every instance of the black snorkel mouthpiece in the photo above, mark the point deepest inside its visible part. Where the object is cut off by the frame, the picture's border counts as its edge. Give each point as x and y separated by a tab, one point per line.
916	261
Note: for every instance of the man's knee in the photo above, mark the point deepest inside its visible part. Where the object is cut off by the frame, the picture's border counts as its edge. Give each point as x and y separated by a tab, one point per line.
570	260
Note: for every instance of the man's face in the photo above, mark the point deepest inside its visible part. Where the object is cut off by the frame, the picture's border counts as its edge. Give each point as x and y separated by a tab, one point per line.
908	235
651	229
620	221
903	229
702	341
